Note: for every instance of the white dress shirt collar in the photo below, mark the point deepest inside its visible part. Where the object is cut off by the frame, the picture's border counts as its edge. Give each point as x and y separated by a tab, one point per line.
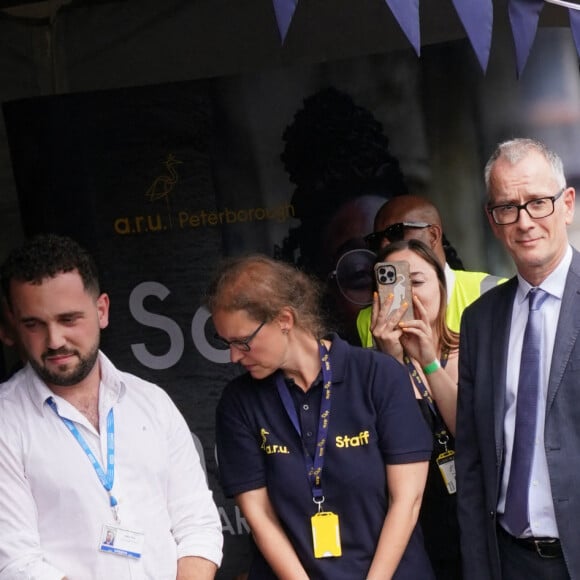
111	384
554	284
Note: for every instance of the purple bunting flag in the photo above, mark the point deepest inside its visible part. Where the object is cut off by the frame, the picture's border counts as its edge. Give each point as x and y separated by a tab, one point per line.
524	15
406	12
477	19
575	26
284	10
574	11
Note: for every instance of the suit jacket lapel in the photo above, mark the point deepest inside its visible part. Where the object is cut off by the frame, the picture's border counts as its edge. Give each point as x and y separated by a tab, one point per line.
567	330
502	318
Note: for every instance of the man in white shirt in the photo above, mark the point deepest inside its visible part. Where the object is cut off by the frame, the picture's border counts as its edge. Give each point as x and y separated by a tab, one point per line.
87	450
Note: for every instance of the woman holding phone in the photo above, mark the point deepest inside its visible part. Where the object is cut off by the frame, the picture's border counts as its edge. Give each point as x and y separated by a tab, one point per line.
323	451
429	350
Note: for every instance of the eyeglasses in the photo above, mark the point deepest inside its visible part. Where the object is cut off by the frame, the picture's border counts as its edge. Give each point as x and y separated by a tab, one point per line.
240	343
393	233
354	276
538	208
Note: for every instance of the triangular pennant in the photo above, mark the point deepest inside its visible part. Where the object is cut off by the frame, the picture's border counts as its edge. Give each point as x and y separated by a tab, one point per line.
284	10
524	15
575	26
574	8
406	12
477	19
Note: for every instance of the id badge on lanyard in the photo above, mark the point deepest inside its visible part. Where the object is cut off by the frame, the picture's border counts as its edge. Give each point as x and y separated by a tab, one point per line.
325	525
445	460
114	539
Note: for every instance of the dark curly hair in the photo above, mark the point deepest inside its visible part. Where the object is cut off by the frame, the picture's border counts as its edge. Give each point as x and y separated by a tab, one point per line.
451	255
331	140
45	256
334	151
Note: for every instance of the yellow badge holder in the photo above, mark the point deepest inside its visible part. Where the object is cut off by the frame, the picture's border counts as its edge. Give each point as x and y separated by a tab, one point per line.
326	535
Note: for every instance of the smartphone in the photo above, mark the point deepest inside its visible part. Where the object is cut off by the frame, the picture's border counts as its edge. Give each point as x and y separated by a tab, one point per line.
395	278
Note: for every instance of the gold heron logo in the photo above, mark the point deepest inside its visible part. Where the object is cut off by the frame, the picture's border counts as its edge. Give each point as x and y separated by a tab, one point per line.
263	434
269	448
164	184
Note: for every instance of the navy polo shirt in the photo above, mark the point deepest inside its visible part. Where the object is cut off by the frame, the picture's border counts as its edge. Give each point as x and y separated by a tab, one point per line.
374	421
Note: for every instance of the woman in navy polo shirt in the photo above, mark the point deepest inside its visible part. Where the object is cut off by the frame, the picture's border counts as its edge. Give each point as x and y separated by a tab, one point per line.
318	438
429	350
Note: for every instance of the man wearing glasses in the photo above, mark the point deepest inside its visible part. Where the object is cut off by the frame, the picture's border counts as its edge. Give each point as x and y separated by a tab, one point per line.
518	435
414	217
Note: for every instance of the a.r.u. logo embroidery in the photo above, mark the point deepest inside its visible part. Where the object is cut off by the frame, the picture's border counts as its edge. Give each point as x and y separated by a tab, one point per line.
271	448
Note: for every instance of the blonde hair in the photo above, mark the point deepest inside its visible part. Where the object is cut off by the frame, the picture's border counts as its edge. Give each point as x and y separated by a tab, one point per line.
262	287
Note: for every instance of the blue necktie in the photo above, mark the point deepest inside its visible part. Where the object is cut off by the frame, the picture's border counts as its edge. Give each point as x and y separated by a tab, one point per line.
516	505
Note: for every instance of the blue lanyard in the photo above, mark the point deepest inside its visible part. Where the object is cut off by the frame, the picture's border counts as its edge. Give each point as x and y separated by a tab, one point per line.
313	467
108	478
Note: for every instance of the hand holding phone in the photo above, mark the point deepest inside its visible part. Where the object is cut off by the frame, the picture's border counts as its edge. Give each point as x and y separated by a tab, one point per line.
395	278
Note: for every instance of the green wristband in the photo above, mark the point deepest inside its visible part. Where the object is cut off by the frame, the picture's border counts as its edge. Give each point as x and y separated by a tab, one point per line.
432	367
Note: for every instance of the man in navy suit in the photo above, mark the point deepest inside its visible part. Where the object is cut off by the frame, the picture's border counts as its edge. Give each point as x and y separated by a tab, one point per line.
529	207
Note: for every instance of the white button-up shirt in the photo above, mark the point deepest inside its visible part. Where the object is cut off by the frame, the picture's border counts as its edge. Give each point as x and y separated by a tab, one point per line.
53	505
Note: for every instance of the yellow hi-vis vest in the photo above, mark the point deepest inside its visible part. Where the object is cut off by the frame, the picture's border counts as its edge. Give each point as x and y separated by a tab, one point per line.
468	287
